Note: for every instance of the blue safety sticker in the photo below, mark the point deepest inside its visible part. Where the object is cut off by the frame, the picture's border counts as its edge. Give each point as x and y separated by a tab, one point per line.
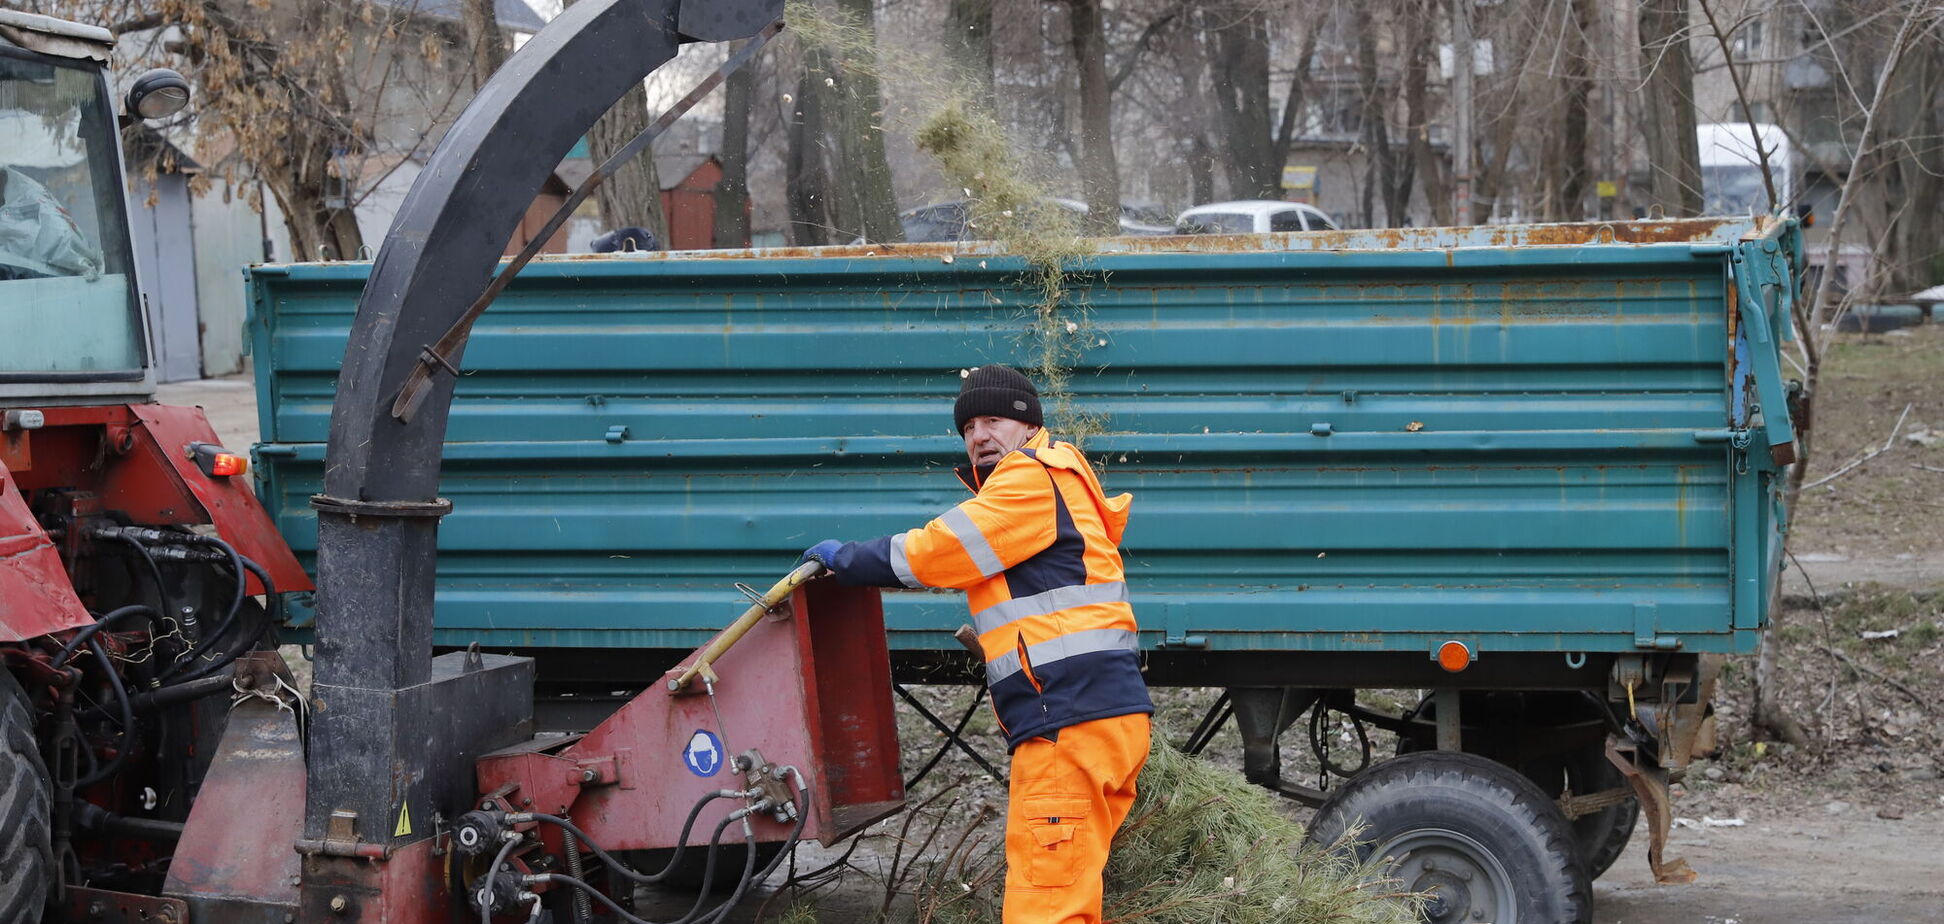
703	754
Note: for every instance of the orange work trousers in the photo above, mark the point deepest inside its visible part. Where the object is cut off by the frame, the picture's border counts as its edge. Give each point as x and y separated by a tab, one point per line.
1067	800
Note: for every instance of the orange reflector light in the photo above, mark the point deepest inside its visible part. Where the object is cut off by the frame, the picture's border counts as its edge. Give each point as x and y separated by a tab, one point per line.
226	464
1453	656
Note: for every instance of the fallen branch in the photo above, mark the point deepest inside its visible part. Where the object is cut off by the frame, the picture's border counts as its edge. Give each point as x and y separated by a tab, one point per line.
1922	705
1928	468
1888	444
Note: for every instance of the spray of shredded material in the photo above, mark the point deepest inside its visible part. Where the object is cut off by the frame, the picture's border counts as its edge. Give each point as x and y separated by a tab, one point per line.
1006	205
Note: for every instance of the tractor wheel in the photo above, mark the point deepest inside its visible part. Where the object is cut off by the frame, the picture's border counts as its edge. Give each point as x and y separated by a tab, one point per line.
26	854
1480	839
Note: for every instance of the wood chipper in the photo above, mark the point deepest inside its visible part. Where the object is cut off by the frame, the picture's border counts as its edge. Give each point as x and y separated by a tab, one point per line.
406	787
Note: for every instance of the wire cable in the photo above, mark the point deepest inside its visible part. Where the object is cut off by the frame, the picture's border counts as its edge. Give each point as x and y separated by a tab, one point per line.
99	624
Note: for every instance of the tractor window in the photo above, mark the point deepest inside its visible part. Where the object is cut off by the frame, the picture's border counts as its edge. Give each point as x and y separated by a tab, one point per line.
67	296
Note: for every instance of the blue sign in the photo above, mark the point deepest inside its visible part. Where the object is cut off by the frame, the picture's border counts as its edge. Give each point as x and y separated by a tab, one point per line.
703	756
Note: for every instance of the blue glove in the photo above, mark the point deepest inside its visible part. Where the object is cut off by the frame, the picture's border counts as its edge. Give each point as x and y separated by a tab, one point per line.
822	553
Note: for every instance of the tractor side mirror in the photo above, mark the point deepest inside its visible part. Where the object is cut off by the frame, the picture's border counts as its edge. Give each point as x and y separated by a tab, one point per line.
157	94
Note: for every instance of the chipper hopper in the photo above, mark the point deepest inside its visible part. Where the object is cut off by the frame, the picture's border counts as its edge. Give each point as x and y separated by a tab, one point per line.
779	730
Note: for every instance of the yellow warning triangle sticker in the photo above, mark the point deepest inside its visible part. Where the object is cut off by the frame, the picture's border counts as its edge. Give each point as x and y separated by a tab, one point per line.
404	821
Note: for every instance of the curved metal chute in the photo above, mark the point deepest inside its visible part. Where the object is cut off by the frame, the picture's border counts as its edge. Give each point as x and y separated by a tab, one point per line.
378	515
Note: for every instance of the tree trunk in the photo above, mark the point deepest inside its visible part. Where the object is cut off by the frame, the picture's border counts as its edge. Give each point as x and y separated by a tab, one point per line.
318	230
1099	170
806	178
732	193
866	204
1293	102
1380	171
1673	152
485	43
968	44
1914	254
1569	182
1239	74
1424	162
632	196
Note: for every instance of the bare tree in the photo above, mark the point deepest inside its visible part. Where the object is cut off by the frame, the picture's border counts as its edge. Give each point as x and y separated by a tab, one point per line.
866	204
485	43
632	196
319	101
807	183
1673	152
1099	168
968	42
732	192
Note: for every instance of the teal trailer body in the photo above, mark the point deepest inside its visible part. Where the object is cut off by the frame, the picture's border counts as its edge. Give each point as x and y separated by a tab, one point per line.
1542	440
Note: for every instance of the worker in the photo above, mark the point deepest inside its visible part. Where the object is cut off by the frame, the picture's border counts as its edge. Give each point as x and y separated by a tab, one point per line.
1036	549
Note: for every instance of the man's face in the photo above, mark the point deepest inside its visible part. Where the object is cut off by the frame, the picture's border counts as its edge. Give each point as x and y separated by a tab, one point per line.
989	438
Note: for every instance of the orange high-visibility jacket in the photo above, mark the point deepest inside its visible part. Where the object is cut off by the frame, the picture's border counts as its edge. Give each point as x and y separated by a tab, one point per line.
1036	549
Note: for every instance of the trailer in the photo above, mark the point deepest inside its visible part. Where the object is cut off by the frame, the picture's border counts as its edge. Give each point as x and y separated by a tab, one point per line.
1533	471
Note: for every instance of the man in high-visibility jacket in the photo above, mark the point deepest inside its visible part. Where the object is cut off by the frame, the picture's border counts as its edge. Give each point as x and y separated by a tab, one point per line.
1036	549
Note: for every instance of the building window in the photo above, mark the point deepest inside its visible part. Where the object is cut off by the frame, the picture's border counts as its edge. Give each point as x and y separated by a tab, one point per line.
1748	41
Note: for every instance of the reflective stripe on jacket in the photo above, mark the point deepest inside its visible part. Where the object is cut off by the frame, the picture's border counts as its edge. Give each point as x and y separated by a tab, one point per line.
1036	549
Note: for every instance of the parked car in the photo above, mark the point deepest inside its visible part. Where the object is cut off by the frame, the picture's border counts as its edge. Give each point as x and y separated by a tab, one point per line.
1253	216
946	221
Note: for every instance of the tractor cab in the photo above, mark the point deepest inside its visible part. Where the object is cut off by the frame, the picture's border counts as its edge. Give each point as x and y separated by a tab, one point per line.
70	300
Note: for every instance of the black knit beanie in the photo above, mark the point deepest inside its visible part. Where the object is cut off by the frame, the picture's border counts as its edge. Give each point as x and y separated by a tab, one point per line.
996	391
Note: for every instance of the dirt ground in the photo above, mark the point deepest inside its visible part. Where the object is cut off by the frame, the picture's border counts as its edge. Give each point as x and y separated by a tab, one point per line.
1850	828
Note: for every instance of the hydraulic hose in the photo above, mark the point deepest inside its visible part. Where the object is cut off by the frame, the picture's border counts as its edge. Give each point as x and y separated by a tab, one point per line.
246	638
154	570
695	914
229	618
127	716
749	876
485	898
627	872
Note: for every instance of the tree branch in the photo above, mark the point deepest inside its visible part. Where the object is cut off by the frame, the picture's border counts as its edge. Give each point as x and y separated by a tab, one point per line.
1133	57
1741	94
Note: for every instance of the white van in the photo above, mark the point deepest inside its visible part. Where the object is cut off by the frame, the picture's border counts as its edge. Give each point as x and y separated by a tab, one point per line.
1731	171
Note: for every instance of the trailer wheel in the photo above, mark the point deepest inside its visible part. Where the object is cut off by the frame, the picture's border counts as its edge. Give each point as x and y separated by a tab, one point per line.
26	853
1481	839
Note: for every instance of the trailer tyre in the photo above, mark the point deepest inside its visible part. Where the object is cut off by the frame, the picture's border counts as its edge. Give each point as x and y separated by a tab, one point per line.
1481	839
26	853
